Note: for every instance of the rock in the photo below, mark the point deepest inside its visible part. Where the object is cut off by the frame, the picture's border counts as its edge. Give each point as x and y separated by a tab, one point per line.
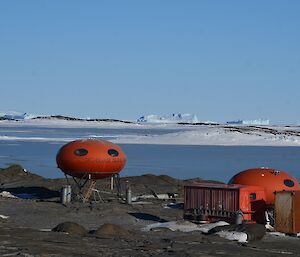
111	230
254	231
71	228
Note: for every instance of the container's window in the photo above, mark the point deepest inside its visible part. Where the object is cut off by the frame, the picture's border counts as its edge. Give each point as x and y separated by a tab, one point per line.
113	152
289	183
252	196
81	152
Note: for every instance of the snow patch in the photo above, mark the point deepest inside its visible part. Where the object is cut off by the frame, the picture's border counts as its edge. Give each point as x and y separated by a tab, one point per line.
6	194
185	226
241	237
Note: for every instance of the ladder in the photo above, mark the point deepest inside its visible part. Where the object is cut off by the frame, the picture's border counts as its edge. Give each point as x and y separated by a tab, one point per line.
89	191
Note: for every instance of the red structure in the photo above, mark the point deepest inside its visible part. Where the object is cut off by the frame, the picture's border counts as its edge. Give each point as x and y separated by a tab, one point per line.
209	202
251	192
270	179
91	159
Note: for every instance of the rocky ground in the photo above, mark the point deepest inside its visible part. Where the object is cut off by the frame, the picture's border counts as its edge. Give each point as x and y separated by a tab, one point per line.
110	227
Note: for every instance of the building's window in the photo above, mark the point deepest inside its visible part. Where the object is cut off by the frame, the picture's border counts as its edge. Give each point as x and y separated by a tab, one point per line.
113	152
81	152
252	196
289	183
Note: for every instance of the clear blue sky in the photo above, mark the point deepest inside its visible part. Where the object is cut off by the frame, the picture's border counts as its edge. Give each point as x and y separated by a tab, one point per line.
220	60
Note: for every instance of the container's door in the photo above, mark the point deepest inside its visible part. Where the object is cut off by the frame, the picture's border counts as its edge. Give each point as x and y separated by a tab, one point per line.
284	212
296	212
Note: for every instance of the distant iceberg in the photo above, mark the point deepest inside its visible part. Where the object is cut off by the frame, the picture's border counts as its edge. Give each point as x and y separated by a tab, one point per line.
173	118
15	115
12	115
250	122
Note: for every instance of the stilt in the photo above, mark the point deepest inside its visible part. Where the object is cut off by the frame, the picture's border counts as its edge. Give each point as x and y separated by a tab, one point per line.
112	183
84	193
80	184
118	184
96	195
67	179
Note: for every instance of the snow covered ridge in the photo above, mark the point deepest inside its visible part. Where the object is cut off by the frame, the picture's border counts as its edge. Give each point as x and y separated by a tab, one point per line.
223	135
19	116
60	117
145	133
174	118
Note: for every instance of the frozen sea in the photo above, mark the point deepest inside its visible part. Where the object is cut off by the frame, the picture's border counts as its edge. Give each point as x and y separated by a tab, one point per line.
35	148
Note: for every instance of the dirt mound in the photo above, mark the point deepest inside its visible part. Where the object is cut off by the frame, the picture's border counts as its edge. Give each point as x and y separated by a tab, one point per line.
71	228
253	231
154	180
200	180
147	183
111	230
16	173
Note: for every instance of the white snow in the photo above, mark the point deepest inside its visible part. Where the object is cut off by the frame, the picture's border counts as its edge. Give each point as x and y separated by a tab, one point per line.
6	194
158	196
233	235
206	227
228	135
279	234
217	135
35	139
185	226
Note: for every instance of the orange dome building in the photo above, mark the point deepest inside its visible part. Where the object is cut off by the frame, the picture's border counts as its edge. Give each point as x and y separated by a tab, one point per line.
91	158
270	179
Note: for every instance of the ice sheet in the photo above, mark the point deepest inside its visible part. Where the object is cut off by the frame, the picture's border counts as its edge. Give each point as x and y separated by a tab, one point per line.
226	135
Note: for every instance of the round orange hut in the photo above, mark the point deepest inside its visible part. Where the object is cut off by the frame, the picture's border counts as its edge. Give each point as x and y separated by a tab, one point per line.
91	159
271	180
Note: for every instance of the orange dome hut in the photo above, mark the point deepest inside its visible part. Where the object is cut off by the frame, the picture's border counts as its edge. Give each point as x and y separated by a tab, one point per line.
270	179
90	158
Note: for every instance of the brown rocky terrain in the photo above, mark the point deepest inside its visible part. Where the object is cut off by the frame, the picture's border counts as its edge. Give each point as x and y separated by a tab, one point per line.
42	226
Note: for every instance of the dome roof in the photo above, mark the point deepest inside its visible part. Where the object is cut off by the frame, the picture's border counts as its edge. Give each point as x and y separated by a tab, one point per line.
271	179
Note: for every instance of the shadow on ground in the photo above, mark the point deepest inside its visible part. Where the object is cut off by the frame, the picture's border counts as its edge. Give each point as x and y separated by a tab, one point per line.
147	216
32	192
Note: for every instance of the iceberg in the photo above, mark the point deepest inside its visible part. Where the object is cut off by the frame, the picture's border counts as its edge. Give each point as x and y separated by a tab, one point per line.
12	115
173	118
15	115
249	122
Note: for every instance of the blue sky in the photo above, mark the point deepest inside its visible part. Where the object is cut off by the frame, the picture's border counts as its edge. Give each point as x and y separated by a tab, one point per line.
221	60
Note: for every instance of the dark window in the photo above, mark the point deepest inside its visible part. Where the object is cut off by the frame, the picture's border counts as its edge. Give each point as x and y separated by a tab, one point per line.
81	152
289	183
252	196
113	152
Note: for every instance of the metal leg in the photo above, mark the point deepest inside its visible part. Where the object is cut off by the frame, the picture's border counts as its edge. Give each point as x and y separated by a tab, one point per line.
117	181
80	183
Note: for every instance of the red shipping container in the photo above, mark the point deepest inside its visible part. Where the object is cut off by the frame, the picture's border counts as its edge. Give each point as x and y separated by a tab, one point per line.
222	202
